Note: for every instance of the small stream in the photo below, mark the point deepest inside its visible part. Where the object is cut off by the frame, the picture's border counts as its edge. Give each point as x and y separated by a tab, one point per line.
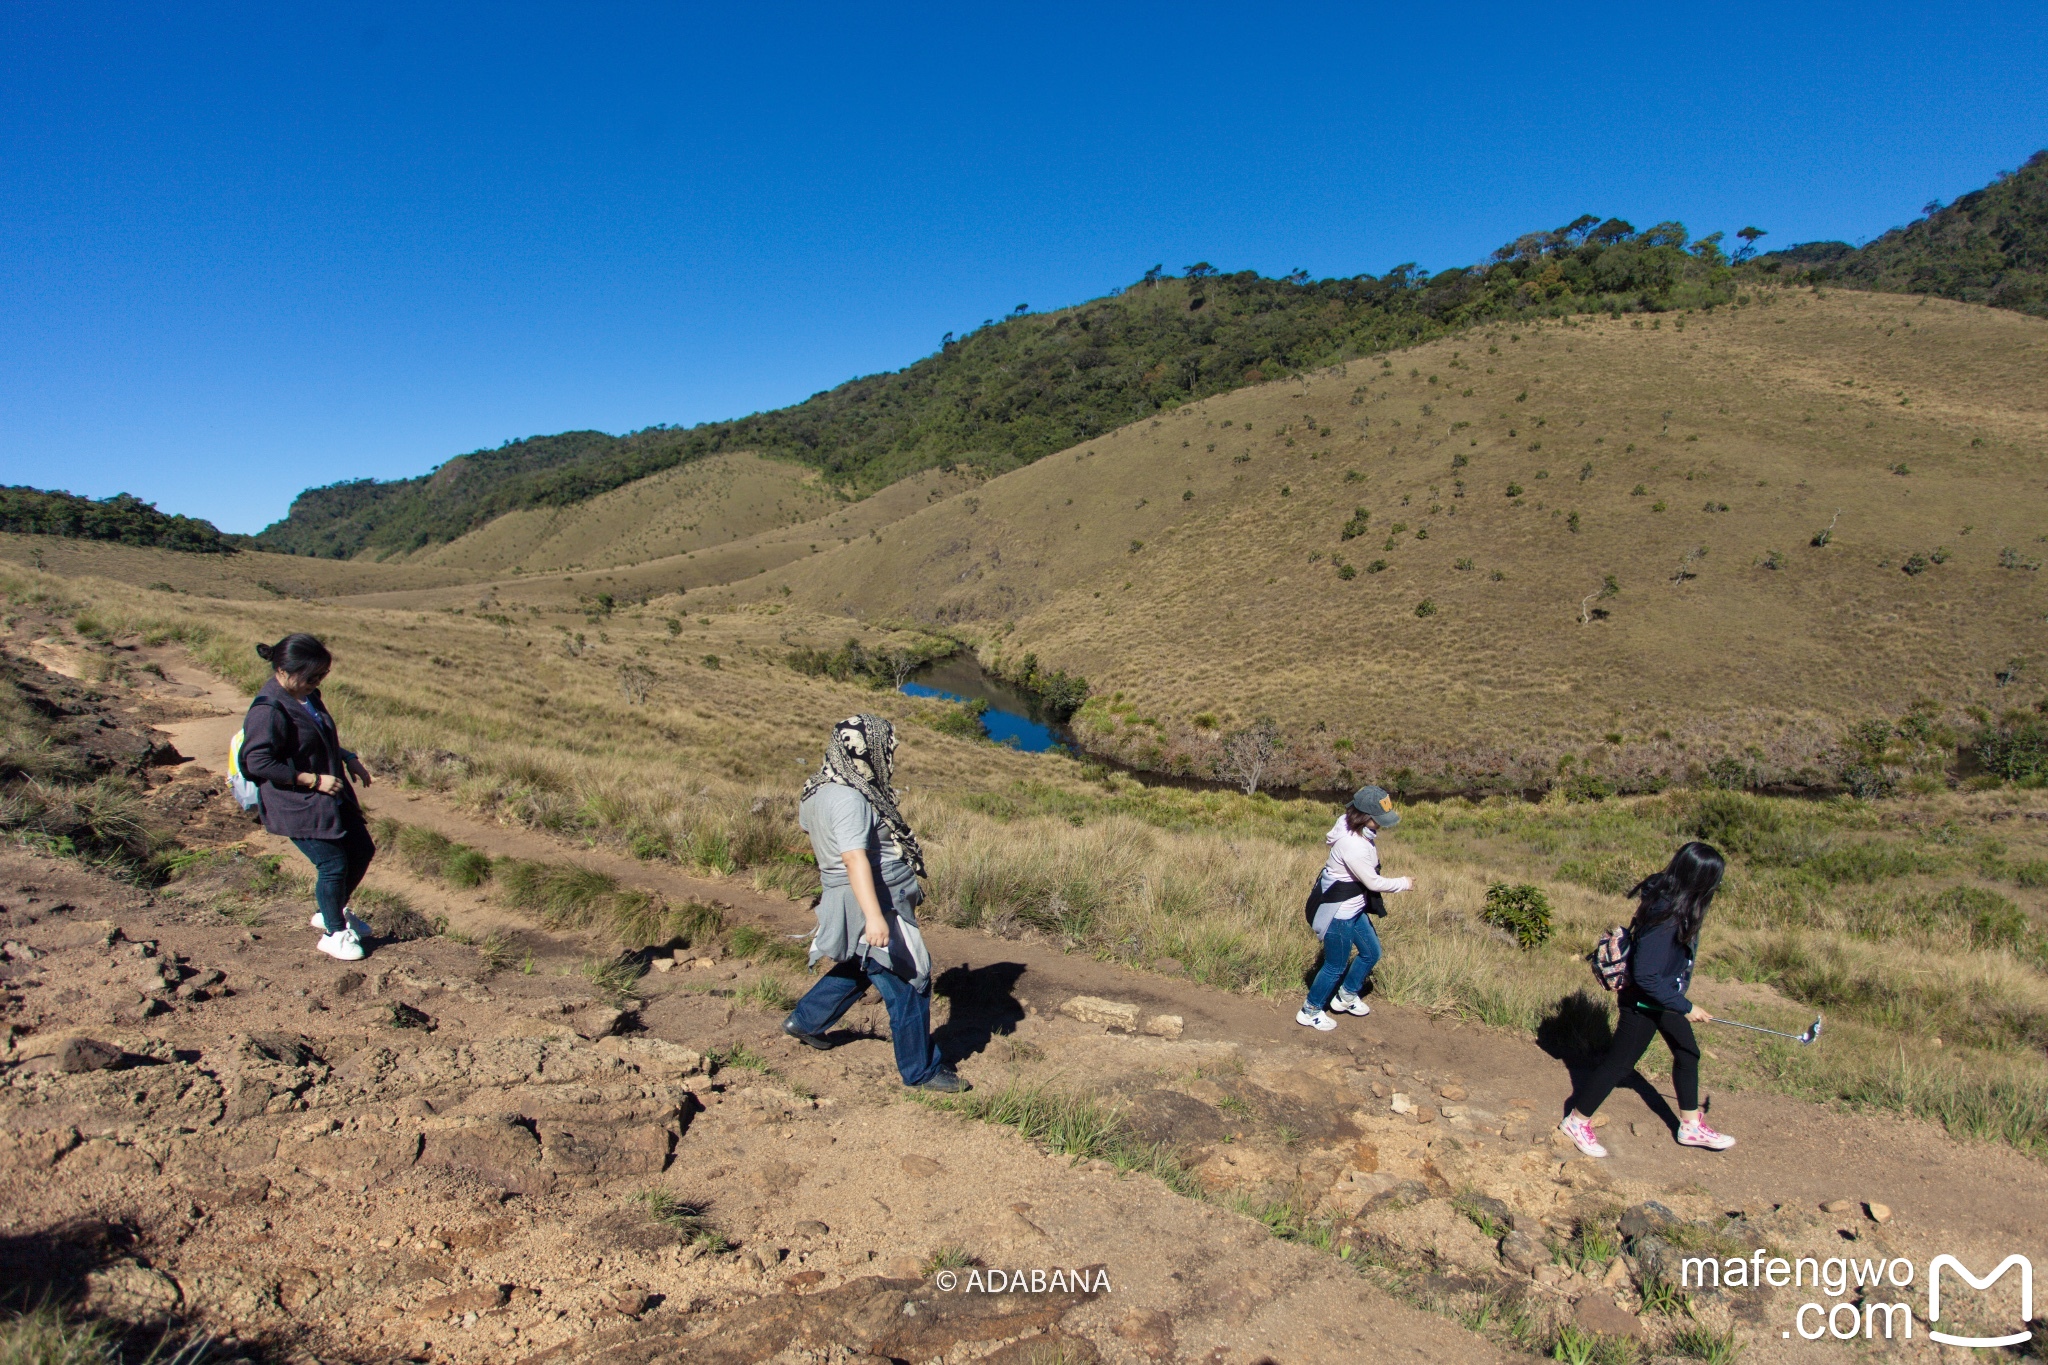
1012	717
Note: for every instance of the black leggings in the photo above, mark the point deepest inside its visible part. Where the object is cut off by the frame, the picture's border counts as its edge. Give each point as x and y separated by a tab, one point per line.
1632	1039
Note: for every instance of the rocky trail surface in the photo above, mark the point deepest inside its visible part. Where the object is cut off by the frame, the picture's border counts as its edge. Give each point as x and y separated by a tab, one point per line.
445	1153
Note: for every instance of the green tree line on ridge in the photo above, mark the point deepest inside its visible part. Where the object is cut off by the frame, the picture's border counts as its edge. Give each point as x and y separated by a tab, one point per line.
123	518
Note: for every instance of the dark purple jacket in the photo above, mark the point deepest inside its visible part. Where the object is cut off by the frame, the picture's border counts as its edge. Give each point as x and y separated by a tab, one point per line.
280	740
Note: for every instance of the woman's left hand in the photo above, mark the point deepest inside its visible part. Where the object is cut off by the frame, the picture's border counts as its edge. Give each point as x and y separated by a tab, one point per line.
1699	1016
358	771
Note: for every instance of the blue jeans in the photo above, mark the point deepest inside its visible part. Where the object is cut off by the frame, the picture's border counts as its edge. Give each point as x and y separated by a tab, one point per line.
340	864
910	1014
1346	936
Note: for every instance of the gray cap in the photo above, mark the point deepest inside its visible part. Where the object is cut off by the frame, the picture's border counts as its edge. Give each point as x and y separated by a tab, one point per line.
1375	802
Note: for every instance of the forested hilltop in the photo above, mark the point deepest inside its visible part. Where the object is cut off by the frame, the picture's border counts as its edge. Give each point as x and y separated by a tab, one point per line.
123	518
1022	387
1990	246
1032	383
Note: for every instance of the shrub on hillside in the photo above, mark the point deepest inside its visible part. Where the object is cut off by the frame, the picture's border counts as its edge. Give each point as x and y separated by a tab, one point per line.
1523	910
2015	747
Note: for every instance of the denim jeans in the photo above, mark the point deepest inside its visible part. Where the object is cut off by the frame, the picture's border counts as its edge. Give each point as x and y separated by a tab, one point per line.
340	864
910	1014
1346	936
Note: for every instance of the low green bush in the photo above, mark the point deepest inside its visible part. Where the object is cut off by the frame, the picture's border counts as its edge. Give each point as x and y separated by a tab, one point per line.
1523	910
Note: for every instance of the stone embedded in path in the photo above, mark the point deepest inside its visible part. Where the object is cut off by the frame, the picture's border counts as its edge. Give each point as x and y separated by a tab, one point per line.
1165	1025
1453	1092
1521	1252
1150	1332
598	1021
87	1054
130	1292
1646	1219
1093	1009
1401	1104
1879	1213
1838	1206
1600	1315
919	1167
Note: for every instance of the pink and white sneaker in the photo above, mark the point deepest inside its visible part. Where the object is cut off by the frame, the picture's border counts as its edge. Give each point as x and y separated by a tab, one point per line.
1697	1134
1580	1131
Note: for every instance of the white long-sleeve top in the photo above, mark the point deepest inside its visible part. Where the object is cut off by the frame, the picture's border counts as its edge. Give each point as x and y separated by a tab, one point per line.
1355	858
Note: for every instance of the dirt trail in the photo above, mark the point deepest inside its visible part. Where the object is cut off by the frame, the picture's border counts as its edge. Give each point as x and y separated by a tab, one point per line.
1270	1109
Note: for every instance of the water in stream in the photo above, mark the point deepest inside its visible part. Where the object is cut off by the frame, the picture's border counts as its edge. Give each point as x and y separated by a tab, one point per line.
1012	718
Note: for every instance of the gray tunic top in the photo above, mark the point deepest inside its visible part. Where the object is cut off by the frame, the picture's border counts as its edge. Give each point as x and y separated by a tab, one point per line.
838	819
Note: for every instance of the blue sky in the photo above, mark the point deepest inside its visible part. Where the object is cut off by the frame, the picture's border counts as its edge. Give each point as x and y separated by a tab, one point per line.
249	249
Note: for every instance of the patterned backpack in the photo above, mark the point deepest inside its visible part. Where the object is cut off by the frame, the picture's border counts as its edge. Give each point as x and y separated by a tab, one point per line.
1611	956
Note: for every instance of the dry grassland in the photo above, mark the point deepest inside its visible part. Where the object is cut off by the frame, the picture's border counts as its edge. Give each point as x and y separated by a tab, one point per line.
635	738
1191	566
691	507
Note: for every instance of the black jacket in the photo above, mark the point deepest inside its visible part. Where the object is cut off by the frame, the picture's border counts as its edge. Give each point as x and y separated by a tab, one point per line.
1659	965
280	740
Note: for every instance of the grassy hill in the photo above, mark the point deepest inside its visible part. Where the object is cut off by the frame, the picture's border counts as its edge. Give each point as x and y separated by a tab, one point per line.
1018	389
691	507
1529	552
1990	246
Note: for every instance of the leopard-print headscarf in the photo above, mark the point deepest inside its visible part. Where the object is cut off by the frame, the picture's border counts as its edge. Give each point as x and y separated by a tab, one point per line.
861	756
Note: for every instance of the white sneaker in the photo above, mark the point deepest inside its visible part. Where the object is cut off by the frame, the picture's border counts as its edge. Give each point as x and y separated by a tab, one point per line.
360	927
1315	1019
343	947
1580	1131
1351	1004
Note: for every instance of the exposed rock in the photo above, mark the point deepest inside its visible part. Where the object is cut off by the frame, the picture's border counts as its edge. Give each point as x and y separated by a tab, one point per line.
1521	1252
632	1302
583	1153
1165	1025
1838	1206
130	1292
1093	1009
810	1227
1401	1104
1879	1213
1424	1114
919	1166
598	1021
348	983
504	1153
35	1151
1600	1315
1617	1274
481	1299
1453	1091
1655	1259
87	1054
1366	1156
1646	1219
1150	1332
1403	1194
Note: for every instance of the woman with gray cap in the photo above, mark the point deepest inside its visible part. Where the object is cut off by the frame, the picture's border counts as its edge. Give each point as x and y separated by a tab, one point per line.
1349	881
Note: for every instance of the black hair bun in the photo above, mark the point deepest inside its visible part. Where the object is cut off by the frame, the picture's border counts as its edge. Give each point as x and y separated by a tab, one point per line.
263	652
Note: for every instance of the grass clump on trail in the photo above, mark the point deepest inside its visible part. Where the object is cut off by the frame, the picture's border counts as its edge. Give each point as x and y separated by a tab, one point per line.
1076	1126
692	1222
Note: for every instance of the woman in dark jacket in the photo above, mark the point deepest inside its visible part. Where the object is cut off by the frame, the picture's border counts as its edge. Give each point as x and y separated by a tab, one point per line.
291	750
1666	934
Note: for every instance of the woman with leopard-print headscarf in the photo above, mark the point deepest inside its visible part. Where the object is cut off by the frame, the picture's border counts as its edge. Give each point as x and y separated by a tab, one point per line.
869	864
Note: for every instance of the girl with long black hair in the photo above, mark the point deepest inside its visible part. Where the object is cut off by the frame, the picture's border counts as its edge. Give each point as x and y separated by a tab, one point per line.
292	751
1665	937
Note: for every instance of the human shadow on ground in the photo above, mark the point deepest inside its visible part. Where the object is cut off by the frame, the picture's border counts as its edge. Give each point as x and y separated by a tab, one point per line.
1578	1032
983	1005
